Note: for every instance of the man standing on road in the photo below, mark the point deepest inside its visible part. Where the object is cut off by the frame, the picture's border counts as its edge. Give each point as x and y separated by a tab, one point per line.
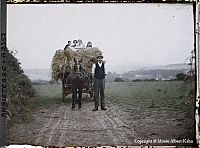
98	71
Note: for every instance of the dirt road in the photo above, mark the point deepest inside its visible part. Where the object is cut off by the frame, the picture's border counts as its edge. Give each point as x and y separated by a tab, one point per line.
60	126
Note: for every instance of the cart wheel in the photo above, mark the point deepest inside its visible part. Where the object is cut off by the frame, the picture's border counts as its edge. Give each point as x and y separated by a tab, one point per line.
91	95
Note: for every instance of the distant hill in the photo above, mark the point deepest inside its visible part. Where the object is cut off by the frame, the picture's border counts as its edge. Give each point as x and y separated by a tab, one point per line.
147	72
179	66
40	82
153	73
166	71
38	74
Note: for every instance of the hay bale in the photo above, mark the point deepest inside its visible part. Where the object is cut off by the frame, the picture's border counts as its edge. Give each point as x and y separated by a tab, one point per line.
63	61
89	57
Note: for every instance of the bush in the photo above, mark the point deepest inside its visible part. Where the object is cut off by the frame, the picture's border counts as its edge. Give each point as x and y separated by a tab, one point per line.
19	88
136	80
118	80
181	76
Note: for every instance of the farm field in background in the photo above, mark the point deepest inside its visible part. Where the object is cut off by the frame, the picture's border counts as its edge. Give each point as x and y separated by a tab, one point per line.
164	106
157	94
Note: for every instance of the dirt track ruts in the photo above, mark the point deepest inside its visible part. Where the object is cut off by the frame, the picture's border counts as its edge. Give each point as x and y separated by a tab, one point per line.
58	125
62	126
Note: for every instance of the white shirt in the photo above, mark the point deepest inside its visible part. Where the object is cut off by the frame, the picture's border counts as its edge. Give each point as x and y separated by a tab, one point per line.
80	46
94	66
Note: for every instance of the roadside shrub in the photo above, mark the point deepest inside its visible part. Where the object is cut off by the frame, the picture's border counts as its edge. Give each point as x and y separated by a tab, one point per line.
181	76
19	89
118	80
136	80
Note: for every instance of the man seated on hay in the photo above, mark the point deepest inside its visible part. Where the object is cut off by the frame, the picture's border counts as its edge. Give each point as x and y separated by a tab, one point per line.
68	45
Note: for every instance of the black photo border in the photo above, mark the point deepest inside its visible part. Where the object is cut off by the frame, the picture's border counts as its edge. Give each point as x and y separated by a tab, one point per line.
3	51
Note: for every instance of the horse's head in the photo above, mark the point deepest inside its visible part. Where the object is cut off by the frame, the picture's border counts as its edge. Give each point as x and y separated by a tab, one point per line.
78	71
77	76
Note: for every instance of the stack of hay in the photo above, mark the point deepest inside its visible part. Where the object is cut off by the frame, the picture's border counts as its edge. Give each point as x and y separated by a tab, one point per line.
63	61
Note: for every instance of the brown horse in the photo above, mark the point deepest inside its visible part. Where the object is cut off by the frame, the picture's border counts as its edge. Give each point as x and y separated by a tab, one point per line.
78	80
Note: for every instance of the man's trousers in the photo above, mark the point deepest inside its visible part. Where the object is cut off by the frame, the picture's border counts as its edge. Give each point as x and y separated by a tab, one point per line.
99	87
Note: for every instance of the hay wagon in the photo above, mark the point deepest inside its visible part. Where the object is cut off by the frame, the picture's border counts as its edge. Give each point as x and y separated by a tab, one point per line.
63	62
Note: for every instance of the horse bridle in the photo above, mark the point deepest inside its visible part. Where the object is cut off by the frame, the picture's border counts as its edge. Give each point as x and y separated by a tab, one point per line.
78	73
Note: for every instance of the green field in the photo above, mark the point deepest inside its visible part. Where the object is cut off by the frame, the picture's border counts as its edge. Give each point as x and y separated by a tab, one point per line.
157	94
47	95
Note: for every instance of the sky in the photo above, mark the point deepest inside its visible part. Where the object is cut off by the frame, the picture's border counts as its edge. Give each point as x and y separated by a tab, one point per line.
129	35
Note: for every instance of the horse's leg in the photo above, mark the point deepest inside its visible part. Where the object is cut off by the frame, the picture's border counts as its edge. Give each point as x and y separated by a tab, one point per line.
73	99
76	98
79	98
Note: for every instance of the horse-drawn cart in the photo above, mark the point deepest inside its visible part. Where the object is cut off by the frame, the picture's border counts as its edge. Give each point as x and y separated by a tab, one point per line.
86	85
64	68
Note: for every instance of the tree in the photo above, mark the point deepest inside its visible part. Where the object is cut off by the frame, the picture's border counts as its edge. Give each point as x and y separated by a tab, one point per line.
118	80
181	76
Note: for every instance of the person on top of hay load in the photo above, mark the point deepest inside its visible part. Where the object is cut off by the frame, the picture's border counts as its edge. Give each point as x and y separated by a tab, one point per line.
74	44
89	45
80	44
64	58
68	45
